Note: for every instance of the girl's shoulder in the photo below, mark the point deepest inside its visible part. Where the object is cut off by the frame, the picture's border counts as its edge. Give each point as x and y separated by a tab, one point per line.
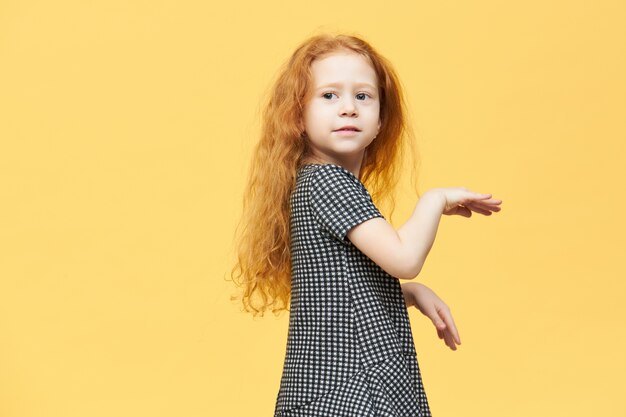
324	179
336	197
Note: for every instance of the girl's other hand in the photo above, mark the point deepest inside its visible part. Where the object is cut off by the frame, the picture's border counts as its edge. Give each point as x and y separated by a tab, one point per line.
433	307
461	201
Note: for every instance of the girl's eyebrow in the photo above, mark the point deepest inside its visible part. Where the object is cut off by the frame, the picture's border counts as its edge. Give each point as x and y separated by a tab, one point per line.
339	85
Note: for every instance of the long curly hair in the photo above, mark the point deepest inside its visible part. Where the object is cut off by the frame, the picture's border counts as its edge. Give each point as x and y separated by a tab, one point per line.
262	239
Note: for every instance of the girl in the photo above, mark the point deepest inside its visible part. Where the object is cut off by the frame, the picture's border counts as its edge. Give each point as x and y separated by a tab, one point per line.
314	239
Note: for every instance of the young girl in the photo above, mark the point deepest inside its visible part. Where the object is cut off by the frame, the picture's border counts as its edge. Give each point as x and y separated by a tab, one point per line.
315	240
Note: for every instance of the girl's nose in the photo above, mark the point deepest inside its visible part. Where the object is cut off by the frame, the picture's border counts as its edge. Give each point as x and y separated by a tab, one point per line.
348	107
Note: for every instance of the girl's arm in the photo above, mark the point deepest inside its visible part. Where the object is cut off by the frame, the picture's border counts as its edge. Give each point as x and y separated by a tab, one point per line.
401	253
418	233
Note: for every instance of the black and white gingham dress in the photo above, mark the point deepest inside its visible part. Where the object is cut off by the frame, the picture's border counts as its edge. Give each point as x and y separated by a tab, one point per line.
350	348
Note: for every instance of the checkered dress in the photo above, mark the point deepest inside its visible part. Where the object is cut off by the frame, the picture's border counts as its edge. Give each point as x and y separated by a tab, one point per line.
350	348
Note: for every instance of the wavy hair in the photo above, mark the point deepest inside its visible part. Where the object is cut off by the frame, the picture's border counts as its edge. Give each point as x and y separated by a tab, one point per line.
262	239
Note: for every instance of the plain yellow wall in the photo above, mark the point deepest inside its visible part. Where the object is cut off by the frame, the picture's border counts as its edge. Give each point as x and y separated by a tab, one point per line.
126	129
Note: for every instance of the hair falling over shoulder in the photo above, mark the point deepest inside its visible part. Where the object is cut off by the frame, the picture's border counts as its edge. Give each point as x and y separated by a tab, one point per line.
262	269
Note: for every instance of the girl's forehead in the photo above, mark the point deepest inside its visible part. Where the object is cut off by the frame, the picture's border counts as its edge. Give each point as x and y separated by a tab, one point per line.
339	68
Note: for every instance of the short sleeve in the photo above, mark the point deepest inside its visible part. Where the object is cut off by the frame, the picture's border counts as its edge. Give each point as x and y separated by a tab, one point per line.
340	201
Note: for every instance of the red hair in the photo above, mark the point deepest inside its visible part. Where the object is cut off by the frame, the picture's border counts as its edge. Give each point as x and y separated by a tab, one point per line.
263	265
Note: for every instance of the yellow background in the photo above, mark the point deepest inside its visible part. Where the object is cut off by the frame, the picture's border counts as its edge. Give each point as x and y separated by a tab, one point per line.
126	130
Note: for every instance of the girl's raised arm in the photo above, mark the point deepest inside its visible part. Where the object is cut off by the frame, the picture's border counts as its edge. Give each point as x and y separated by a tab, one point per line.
401	253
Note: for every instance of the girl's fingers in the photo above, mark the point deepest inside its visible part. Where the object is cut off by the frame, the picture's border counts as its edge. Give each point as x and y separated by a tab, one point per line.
489	207
480	208
455	334
449	340
444	323
450	326
484	204
446	339
485	198
442	333
477	209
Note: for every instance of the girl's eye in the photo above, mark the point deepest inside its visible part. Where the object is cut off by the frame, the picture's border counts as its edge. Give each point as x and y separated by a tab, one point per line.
325	95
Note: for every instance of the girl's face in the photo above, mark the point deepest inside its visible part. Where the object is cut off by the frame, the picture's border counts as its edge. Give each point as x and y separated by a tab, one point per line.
343	92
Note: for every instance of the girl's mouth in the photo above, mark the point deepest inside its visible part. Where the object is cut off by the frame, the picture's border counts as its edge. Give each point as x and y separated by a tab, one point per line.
346	132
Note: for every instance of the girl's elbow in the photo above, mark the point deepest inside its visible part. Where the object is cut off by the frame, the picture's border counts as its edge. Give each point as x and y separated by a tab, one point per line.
405	271
408	275
412	270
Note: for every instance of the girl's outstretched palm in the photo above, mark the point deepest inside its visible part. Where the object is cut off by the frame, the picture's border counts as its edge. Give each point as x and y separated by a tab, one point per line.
461	201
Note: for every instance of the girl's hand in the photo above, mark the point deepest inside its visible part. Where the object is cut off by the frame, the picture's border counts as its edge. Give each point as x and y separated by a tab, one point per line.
461	201
433	307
